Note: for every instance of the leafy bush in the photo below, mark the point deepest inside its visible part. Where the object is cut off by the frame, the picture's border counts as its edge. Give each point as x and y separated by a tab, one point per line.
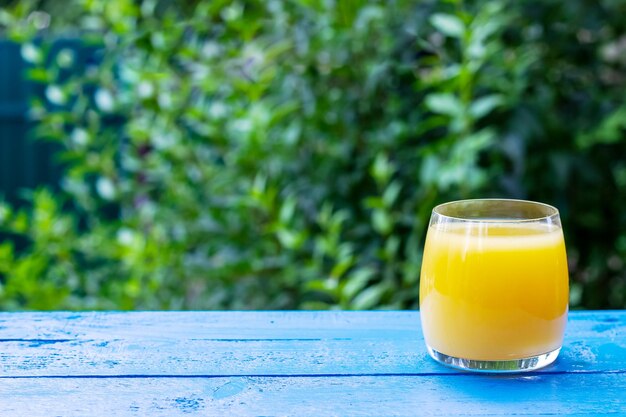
267	154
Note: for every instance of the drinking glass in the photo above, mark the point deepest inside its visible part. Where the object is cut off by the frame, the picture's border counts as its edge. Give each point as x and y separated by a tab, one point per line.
494	285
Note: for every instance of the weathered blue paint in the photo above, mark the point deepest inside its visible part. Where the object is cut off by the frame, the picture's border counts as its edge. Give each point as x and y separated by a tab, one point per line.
285	363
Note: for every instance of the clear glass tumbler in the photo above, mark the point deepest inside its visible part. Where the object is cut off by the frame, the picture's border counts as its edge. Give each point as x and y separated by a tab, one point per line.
494	285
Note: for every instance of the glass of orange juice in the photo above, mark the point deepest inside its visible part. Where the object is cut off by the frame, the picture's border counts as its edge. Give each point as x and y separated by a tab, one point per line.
494	285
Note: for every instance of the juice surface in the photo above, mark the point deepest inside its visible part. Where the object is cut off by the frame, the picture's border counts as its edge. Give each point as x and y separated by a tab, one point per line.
494	291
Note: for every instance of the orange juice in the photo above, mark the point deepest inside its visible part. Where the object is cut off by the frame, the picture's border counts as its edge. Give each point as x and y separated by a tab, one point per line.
494	291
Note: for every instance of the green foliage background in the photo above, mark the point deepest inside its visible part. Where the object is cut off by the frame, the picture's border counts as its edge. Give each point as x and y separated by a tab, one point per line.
287	154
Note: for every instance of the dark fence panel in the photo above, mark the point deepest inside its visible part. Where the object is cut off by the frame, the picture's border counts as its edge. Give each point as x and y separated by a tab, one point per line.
24	161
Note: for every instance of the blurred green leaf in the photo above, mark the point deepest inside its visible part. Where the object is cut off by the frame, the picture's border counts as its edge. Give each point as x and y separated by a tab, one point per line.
56	95
448	24
391	193
382	221
31	53
368	298
382	169
485	105
611	130
444	103
357	281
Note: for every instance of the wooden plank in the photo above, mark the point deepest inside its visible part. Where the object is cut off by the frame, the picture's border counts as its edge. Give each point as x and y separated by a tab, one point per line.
261	344
440	395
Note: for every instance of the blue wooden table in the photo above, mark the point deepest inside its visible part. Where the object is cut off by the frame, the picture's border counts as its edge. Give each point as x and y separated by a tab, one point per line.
286	364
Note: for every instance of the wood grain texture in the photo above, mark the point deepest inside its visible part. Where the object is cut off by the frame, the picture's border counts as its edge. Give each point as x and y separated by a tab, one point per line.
286	364
260	343
451	395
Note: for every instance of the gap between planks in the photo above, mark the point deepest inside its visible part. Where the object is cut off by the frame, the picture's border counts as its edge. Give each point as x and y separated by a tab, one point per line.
328	375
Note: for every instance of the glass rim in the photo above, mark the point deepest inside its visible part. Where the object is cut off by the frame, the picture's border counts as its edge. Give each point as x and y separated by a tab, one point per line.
553	212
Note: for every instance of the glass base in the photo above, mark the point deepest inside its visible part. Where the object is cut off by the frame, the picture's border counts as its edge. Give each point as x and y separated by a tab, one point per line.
515	365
